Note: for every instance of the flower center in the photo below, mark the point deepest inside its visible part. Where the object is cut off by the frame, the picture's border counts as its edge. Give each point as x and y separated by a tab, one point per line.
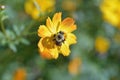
59	38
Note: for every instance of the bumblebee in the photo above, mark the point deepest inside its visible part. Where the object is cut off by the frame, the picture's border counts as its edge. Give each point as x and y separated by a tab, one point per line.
59	38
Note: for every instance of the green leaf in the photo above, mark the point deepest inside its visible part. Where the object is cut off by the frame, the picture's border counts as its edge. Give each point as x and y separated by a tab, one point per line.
25	41
16	30
4	17
10	34
12	47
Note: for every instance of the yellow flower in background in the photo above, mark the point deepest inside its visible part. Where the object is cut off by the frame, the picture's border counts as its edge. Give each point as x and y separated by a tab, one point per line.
56	36
20	74
111	11
37	9
74	66
102	45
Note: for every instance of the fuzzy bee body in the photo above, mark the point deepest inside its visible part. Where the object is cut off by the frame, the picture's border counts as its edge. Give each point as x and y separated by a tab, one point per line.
59	38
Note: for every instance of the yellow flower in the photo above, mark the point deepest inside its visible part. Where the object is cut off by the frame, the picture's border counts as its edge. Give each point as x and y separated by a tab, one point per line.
111	11
20	74
74	66
102	45
56	36
37	9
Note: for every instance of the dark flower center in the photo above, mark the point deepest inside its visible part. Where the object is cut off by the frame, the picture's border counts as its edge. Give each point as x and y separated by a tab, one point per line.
59	38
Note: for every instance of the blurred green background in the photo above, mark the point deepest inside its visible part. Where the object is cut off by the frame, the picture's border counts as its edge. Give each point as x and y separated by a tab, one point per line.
96	56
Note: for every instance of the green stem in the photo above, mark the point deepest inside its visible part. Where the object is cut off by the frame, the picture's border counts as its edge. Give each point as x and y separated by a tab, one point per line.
2	27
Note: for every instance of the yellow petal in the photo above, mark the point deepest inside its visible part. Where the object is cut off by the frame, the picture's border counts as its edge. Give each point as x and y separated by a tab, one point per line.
71	28
45	54
50	53
67	25
65	49
54	52
45	5
43	31
43	51
57	19
50	25
35	14
67	22
47	48
40	46
29	7
71	38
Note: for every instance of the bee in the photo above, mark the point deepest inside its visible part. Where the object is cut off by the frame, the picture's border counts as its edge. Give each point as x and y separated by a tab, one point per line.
59	38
